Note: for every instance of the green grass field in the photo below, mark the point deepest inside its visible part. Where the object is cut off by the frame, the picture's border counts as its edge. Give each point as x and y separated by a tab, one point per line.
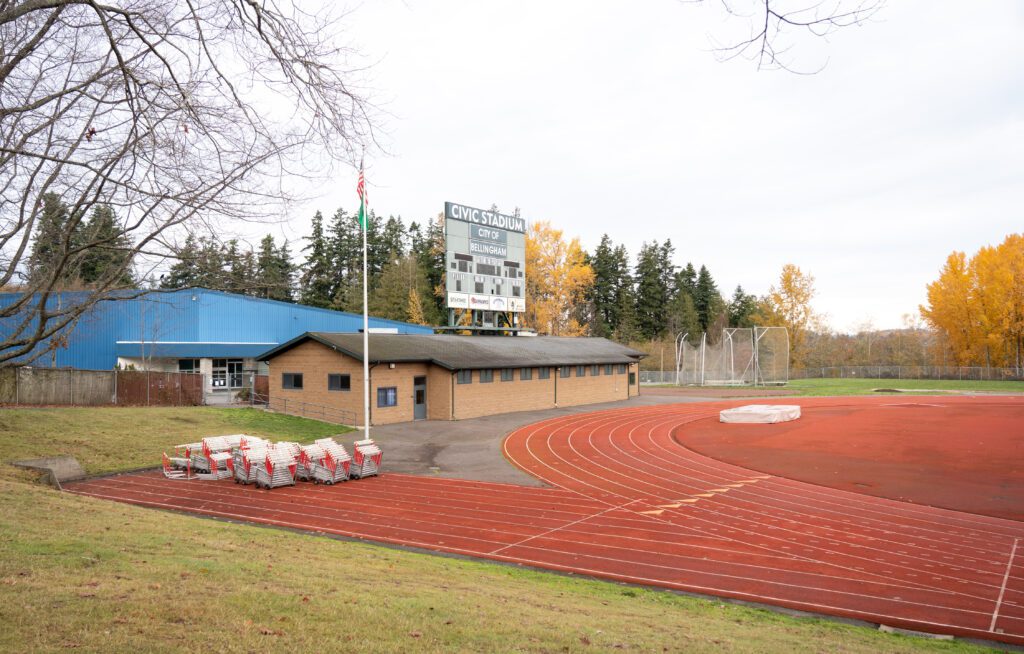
110	439
90	575
819	387
832	387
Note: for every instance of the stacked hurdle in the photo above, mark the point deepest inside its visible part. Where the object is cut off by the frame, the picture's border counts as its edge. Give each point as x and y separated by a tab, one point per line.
309	457
251	459
366	459
247	460
278	470
335	464
217	450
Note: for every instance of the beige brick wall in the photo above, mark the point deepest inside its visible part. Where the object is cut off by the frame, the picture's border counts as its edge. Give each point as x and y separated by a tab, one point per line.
574	390
315	361
482	399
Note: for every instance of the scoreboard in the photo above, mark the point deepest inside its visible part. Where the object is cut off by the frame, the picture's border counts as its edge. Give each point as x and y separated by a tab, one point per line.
485	260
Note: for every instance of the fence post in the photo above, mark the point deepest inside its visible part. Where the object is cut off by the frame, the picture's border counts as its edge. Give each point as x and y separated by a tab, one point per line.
71	385
17	386
148	382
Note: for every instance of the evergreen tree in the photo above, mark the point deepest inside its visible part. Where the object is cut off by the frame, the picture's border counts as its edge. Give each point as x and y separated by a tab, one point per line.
625	322
183	273
107	257
274	271
707	300
742	308
52	243
682	316
209	265
402	293
603	294
345	244
240	274
317	277
393	238
430	252
652	292
686	280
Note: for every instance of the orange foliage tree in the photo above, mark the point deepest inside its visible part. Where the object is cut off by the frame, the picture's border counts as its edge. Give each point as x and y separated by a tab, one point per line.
558	279
977	305
788	304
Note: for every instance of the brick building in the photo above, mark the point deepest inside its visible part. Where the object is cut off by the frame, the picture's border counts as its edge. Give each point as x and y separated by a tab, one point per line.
447	377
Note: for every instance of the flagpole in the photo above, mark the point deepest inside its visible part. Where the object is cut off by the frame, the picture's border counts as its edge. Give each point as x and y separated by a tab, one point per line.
366	315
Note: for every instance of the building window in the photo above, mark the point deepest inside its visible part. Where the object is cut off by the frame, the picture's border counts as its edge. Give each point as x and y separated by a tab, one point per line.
506	374
525	374
622	369
595	370
608	368
292	380
337	382
543	373
465	376
188	365
387	396
581	371
486	376
632	379
565	371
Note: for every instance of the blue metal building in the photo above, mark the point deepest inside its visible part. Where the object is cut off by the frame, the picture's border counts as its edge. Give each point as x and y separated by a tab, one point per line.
191	330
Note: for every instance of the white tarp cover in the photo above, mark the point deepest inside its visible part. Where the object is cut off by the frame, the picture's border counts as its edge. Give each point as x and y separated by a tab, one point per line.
761	413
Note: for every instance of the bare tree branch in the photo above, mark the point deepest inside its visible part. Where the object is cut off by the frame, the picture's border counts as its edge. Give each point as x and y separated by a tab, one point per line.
775	25
175	115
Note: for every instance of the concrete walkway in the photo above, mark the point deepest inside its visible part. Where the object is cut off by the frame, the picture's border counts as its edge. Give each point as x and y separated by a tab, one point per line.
471	449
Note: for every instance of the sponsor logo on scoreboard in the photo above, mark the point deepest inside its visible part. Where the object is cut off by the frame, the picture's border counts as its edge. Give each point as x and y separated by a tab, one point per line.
499	304
517	304
479	302
458	300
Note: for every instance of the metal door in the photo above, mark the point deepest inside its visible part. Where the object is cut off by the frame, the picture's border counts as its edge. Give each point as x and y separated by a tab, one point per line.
419	398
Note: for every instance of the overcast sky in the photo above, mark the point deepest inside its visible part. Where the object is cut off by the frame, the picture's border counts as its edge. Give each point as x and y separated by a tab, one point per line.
616	117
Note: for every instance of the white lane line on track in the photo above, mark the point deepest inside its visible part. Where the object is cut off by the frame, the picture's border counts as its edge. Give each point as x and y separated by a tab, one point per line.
661	418
440	545
568	524
693	587
1002	590
892	509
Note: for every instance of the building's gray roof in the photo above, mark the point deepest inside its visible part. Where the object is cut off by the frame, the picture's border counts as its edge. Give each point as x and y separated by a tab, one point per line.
472	352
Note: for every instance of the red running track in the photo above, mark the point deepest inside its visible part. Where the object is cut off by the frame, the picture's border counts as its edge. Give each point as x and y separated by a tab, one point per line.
629	503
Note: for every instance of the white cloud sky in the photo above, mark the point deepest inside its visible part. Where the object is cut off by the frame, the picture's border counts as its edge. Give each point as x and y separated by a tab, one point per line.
615	117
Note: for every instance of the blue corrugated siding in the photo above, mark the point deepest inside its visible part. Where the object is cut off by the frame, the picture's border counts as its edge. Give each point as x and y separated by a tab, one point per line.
196	316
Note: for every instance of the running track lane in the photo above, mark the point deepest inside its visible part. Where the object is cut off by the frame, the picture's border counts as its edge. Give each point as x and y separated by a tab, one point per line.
629	503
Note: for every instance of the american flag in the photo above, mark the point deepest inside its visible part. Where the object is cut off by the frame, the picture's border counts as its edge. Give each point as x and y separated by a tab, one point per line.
361	190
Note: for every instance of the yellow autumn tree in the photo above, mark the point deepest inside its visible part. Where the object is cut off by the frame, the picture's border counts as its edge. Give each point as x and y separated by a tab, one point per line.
788	304
558	279
977	305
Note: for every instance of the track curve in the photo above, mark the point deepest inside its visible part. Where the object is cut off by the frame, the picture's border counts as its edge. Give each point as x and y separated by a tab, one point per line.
628	502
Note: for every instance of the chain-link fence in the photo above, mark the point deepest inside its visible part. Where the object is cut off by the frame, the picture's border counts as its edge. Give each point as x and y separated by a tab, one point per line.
970	373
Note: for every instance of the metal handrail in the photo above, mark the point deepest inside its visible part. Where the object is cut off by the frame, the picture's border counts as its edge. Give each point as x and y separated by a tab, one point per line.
306	409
